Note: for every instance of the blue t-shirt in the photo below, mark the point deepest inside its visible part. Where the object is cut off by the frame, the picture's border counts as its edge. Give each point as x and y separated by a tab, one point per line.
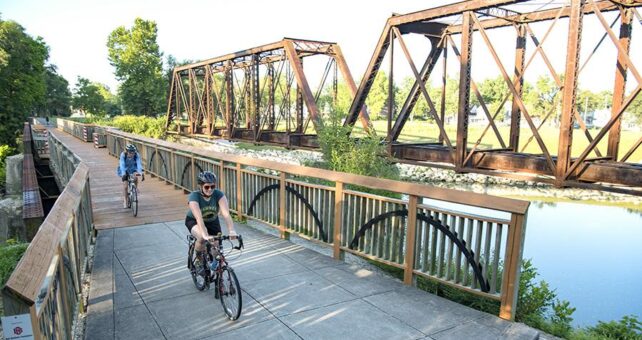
209	208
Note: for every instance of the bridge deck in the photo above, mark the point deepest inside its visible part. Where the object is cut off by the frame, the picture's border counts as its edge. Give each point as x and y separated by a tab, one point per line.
158	201
141	289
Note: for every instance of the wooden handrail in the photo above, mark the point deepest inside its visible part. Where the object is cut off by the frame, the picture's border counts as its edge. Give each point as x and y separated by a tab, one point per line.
422	190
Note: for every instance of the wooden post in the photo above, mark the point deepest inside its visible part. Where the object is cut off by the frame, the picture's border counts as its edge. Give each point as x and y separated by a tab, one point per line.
239	201
194	185
512	266
337	253
156	165
221	176
284	234
411	230
66	308
35	325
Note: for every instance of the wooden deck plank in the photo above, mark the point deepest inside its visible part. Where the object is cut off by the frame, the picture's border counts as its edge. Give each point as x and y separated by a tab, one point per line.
159	201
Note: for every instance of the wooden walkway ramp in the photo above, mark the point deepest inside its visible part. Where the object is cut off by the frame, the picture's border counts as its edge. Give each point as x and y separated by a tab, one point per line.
158	201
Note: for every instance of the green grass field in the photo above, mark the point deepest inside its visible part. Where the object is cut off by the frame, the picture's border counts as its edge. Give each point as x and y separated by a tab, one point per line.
424	131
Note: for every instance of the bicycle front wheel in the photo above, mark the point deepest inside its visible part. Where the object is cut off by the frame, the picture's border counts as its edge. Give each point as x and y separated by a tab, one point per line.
230	293
134	201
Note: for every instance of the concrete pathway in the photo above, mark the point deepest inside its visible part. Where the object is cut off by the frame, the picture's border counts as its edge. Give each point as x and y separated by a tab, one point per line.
141	289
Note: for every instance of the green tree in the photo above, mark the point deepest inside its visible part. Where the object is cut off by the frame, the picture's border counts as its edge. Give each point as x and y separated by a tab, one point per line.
421	108
22	81
327	103
541	98
378	95
58	97
88	97
136	56
493	91
111	104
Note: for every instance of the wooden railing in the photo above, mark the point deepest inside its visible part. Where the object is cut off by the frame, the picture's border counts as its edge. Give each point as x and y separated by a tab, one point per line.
85	132
478	254
81	131
46	283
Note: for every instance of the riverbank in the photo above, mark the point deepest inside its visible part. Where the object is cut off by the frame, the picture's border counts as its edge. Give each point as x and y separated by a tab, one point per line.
442	178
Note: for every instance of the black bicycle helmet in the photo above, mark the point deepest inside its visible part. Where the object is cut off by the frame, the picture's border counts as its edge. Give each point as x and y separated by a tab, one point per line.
206	177
130	148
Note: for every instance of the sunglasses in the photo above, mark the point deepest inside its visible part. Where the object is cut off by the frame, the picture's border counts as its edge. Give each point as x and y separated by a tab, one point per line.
209	187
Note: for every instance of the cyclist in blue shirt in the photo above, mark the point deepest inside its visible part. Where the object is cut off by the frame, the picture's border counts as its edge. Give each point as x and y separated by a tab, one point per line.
129	163
205	205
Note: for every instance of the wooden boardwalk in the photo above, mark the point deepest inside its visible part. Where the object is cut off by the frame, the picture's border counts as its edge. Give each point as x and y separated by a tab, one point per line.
158	201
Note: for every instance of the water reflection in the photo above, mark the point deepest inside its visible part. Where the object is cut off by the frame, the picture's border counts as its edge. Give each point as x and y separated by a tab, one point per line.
588	253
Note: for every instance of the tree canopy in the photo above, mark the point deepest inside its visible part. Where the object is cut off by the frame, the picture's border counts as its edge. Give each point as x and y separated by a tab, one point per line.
58	97
137	60
22	80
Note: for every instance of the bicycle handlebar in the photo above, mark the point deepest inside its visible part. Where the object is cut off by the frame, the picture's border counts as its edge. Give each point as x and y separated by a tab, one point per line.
224	238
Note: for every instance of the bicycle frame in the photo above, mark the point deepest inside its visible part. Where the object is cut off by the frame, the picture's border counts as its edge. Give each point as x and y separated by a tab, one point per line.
215	252
132	193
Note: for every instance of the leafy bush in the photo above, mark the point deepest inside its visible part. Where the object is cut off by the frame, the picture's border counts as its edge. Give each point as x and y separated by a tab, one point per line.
140	125
10	255
5	151
366	156
538	306
627	328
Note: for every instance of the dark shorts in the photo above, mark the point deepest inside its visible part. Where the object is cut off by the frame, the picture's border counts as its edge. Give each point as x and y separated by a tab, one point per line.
213	228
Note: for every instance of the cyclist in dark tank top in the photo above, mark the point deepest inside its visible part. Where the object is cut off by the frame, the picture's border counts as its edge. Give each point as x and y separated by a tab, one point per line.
205	205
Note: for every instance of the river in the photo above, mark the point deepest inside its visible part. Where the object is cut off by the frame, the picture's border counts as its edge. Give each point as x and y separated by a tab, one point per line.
591	255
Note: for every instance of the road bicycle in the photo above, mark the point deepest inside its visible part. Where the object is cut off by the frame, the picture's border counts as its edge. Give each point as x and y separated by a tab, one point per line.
213	268
132	193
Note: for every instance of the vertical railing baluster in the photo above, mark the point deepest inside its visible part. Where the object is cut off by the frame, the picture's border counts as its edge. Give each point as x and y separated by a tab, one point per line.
487	251
460	235
498	244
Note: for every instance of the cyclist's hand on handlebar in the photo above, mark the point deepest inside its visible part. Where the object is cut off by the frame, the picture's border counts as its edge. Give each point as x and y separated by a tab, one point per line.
233	235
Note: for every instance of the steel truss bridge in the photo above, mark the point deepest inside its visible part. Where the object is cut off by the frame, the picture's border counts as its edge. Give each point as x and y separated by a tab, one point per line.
246	95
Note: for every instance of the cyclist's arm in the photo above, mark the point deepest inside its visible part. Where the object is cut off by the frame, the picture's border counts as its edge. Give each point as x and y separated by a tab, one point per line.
121	164
224	211
139	166
196	211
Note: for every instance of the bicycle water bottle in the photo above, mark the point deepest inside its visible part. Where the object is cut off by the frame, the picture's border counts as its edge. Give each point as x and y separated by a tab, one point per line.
213	265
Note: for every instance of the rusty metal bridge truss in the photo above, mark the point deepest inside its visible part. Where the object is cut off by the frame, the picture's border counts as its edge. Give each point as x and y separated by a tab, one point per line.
260	95
451	28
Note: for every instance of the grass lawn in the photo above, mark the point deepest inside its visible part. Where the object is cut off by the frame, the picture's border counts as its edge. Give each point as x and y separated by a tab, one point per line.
424	131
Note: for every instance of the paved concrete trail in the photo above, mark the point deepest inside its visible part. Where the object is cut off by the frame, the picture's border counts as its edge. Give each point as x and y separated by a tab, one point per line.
141	289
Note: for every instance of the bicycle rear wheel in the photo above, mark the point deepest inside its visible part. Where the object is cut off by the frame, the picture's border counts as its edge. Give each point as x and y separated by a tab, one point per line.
197	272
134	200
230	293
